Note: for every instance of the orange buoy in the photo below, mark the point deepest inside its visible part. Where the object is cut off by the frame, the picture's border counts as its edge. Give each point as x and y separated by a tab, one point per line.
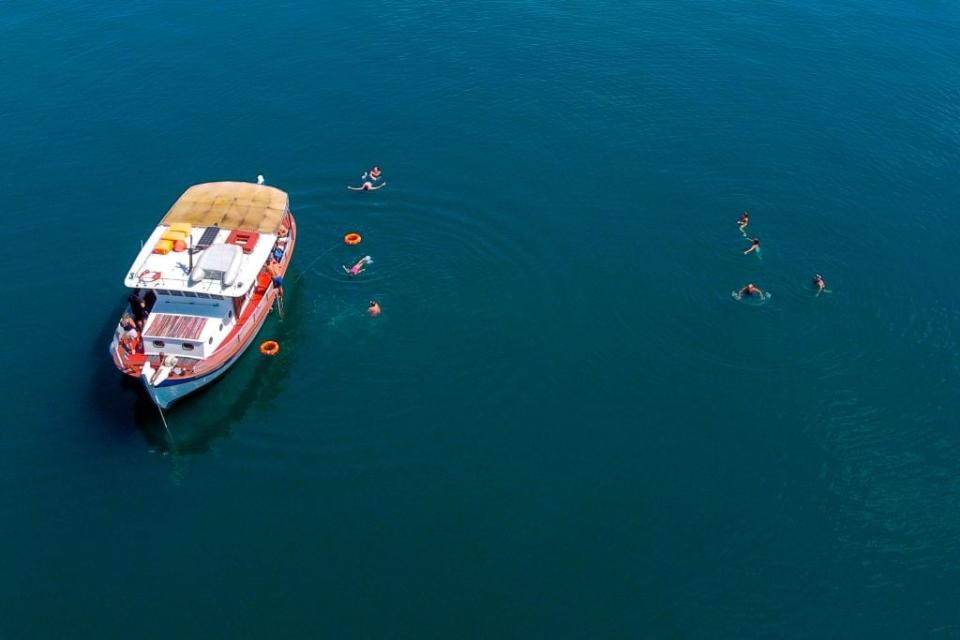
179	245
270	348
352	238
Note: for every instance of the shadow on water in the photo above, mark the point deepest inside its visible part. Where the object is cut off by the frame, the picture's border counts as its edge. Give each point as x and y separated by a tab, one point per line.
208	414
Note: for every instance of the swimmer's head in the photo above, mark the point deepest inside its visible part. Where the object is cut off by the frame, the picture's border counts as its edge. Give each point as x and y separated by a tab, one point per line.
756	241
373	303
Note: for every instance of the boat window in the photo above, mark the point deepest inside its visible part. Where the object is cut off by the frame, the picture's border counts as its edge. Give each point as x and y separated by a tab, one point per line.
187	347
210	341
190	294
175	292
216	297
159	344
202	295
221	328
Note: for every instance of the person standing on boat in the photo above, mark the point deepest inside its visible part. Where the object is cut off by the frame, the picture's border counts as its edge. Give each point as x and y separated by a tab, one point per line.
138	307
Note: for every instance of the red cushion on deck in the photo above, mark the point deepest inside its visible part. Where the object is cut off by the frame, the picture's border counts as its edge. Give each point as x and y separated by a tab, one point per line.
247	240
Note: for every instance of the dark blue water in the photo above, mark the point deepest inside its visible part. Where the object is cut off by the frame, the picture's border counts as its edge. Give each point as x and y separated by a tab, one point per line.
562	425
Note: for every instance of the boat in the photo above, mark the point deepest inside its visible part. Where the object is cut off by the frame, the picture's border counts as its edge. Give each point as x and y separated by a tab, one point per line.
204	282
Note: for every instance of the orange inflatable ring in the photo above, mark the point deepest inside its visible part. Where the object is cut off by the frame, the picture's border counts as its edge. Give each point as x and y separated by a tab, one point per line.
149	276
352	238
270	348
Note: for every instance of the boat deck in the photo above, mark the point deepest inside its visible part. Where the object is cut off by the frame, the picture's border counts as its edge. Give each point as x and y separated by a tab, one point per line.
165	325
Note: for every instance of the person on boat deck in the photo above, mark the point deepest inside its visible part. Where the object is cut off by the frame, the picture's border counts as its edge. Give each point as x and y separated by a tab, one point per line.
129	334
754	246
743	221
750	290
282	232
357	269
276	272
138	307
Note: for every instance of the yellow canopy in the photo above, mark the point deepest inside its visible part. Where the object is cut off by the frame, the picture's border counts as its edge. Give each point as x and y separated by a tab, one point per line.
230	205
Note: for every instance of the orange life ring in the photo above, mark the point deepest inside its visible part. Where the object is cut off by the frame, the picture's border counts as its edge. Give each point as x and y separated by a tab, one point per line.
352	238
270	348
149	276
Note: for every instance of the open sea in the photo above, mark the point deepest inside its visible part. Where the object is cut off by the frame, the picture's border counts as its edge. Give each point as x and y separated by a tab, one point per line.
563	425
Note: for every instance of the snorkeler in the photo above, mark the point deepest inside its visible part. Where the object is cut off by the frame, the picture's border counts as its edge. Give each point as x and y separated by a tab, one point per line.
369	179
358	268
373	309
819	284
743	222
750	290
754	246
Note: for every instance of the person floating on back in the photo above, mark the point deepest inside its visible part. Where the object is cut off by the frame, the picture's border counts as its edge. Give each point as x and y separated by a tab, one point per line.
373	309
370	181
819	284
358	268
754	246
750	290
743	222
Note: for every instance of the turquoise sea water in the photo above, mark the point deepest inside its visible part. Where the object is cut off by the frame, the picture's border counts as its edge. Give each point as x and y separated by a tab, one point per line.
562	425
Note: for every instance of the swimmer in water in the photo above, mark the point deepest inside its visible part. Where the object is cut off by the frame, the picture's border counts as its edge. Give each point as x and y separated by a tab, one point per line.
743	222
754	246
819	284
367	186
374	309
750	290
358	268
370	178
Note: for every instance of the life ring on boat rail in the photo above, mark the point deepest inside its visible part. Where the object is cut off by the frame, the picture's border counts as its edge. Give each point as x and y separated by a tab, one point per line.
149	276
270	348
352	238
